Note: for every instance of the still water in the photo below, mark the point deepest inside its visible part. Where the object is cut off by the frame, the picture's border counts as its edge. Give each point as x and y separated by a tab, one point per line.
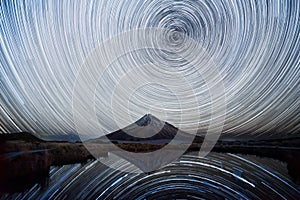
217	176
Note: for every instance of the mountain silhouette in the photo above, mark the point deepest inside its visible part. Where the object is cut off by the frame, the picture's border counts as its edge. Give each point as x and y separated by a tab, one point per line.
148	130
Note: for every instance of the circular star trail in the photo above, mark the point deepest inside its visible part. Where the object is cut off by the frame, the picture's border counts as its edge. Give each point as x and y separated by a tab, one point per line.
217	176
254	44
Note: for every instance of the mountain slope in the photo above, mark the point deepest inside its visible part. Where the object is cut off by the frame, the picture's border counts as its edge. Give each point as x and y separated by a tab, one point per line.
148	130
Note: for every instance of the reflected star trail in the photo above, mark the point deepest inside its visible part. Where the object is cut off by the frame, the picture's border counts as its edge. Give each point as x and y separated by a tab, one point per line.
217	176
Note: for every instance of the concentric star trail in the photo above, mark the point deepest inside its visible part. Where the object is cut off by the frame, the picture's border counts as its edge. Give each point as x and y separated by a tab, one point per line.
254	44
217	176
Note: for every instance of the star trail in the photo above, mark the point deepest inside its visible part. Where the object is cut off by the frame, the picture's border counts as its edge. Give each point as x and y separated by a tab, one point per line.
205	66
217	176
254	45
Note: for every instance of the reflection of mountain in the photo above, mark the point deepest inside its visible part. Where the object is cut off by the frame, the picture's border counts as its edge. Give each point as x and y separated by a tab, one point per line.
148	130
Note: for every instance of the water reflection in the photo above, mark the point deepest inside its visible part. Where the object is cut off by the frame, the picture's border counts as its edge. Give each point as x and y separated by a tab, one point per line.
216	176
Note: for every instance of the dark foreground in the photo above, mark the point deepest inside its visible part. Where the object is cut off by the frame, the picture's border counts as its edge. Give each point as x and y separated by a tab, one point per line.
26	160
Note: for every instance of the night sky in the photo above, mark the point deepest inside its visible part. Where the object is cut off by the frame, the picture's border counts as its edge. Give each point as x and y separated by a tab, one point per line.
249	49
